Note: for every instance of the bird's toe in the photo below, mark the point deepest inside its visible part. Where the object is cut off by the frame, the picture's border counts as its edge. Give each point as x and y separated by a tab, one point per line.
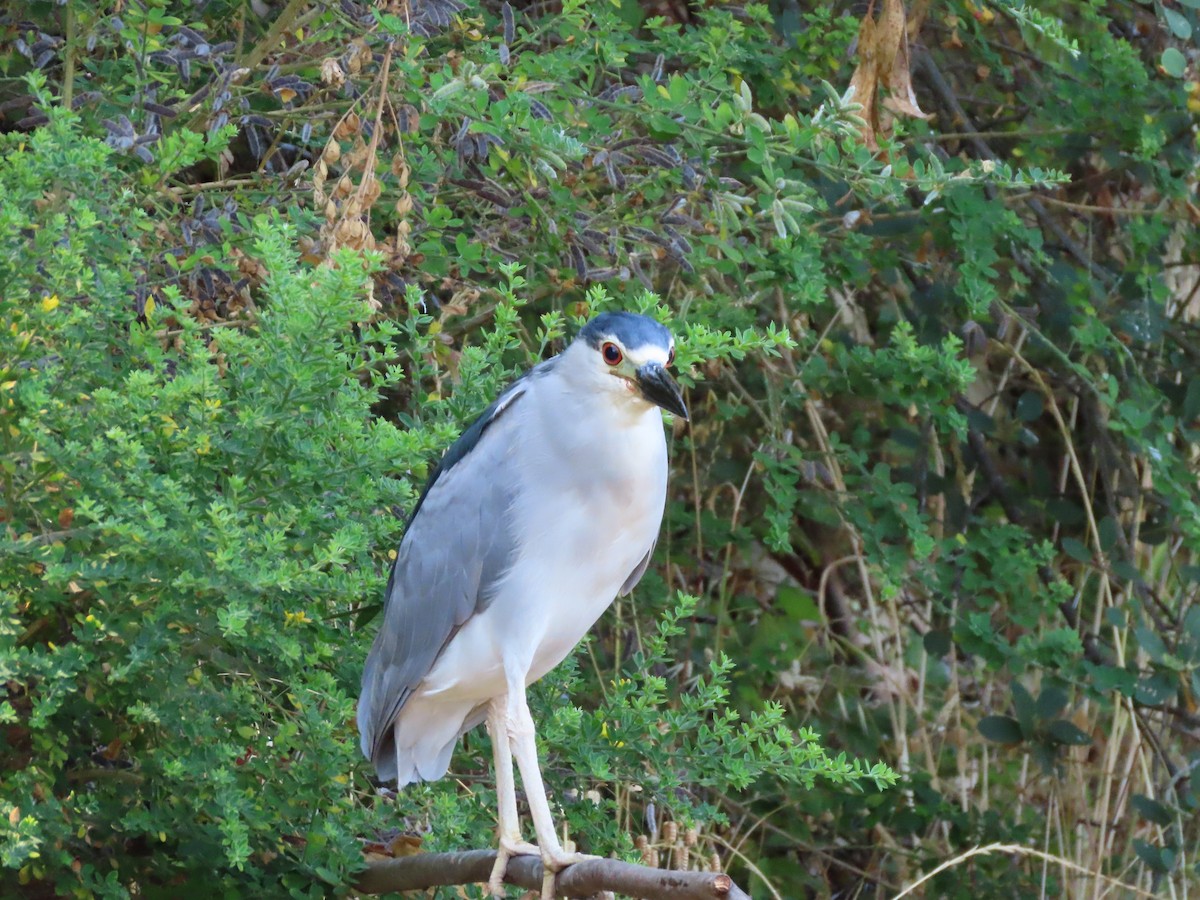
518	847
508	848
557	860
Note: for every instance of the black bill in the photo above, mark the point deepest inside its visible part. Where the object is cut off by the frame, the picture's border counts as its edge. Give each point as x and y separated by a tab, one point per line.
660	388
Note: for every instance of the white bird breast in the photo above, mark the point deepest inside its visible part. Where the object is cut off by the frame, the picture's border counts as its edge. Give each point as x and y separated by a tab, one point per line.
591	504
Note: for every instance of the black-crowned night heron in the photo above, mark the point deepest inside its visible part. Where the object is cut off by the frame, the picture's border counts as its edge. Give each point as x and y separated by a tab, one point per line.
544	511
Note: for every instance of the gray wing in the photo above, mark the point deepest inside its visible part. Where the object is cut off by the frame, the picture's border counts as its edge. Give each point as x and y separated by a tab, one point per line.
455	548
639	570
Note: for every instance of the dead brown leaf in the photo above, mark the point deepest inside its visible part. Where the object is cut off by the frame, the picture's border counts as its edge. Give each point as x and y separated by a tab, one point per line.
883	62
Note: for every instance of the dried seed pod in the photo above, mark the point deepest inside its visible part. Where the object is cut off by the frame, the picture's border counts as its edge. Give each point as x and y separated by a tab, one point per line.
679	858
357	153
643	845
400	169
408	118
692	836
332	153
369	190
348	127
330	211
404	204
714	864
344	187
670	831
331	73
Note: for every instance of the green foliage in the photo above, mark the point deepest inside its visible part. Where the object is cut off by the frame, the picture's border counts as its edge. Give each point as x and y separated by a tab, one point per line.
182	537
937	501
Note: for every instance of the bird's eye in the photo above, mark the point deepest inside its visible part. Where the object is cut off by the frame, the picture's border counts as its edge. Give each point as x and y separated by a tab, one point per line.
671	357
612	353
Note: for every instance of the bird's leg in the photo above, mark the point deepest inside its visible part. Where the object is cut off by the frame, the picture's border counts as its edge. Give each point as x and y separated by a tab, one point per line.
524	750
510	844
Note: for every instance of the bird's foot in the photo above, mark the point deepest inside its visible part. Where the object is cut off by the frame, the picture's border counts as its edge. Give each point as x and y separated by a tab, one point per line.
554	860
508	848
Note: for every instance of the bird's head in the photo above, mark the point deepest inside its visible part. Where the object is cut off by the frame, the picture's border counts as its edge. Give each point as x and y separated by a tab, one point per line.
629	355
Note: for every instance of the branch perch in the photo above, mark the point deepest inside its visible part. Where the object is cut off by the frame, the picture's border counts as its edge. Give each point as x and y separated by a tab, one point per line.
585	879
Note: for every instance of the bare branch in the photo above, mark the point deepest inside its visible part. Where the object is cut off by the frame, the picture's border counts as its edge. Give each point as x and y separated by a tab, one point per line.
585	879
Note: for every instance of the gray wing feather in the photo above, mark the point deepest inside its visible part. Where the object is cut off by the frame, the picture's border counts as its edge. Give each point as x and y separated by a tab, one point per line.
639	570
455	549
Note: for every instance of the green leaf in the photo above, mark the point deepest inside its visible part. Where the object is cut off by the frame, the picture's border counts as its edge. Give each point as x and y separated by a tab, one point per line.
1064	732
1111	678
1050	702
1179	25
1076	549
1150	855
937	643
1173	62
1127	570
1030	406
1191	400
1025	708
1108	533
798	605
1155	690
1191	623
1001	729
1152	643
1152	810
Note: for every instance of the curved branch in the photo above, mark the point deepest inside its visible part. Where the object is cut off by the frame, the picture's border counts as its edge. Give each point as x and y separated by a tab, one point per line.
584	879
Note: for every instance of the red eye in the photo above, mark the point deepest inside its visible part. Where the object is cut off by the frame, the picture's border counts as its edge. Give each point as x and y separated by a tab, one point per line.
612	353
671	357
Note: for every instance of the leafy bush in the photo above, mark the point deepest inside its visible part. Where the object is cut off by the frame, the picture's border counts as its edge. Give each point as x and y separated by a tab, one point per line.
937	501
188	512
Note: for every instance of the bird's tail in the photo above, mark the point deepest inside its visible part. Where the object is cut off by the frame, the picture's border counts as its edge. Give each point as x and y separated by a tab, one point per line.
419	745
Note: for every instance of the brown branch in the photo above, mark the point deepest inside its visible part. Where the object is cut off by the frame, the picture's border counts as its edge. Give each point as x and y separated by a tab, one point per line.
584	879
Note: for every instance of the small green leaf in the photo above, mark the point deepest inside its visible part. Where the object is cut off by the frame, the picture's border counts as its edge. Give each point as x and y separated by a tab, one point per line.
1076	549
1000	729
1152	810
937	643
1063	732
1150	855
1108	533
1025	708
1191	623
1155	690
1030	406
798	605
1173	62
1112	678
1127	570
1191	400
1050	702
1179	25
1152	643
